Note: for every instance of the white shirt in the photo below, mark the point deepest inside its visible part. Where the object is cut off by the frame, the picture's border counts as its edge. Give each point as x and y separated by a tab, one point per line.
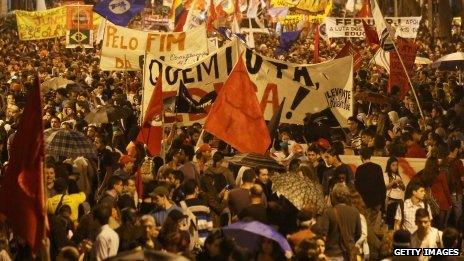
410	215
431	240
395	193
107	243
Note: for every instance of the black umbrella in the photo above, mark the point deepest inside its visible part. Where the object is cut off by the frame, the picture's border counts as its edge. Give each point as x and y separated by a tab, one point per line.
107	114
256	160
450	61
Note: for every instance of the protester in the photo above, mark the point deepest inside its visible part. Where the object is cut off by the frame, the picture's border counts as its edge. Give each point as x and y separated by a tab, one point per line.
341	224
395	190
113	187
405	214
370	185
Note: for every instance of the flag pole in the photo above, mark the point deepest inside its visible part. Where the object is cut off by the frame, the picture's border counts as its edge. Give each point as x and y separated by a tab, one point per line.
409	80
404	67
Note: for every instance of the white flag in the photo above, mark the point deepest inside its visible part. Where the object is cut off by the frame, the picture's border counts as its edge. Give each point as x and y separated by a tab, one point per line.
350	5
382	58
383	30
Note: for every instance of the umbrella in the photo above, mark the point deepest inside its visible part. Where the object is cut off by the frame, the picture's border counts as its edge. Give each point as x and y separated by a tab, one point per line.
248	234
68	144
55	83
450	62
149	255
256	160
107	114
422	60
299	190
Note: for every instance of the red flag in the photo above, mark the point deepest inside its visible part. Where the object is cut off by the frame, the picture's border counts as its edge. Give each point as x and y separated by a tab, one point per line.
349	49
22	195
371	35
316	45
151	131
365	10
212	16
398	77
181	21
236	116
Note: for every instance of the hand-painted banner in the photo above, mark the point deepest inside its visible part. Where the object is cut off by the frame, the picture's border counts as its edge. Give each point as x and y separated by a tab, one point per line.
79	17
406	27
41	24
307	88
408	167
124	48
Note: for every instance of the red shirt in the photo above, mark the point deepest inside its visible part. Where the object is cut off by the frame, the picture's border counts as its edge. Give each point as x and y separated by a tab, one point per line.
415	151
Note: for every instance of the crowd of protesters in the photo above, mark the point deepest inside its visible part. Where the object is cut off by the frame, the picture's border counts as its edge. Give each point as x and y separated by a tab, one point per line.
125	199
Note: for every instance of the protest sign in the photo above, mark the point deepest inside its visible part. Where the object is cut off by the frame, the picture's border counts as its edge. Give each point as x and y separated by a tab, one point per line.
398	77
79	25
405	27
79	17
41	25
124	48
307	88
82	38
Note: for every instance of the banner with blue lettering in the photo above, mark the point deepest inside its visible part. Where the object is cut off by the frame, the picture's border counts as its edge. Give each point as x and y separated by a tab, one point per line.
307	88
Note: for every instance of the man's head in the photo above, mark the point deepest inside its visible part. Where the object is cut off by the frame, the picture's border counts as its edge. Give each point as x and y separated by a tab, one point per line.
175	178
55	122
256	193
149	223
365	153
190	188
340	194
422	220
331	156
115	184
249	176
50	173
179	156
100	142
129	186
352	123
294	165
102	213
454	148
263	175
367	138
418	191
313	153
60	185
160	196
